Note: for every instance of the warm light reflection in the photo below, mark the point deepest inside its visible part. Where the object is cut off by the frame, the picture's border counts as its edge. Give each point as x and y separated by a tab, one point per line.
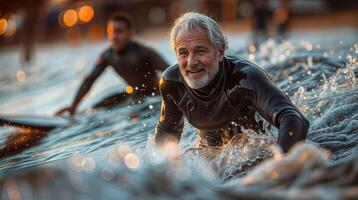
170	148
3	26
309	47
123	150
82	163
110	32
131	160
161	81
252	48
86	13
251	57
277	153
129	89
70	18
21	75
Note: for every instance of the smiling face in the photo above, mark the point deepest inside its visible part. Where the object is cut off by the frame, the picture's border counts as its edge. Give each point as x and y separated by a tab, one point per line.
198	59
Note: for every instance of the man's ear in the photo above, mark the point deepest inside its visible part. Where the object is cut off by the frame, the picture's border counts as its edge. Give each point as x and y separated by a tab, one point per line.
221	52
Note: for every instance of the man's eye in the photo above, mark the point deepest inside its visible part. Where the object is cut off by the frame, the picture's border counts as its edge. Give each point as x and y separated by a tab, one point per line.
201	51
182	54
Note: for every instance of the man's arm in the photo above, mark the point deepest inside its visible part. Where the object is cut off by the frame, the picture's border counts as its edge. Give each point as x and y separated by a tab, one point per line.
85	87
277	108
171	120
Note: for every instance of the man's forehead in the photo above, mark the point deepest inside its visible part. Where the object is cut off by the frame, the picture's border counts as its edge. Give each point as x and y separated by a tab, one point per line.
192	38
117	24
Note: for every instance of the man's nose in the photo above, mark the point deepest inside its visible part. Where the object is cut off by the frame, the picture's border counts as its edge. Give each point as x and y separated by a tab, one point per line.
192	60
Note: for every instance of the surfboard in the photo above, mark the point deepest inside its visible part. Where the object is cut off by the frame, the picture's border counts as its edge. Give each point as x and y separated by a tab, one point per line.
44	123
29	131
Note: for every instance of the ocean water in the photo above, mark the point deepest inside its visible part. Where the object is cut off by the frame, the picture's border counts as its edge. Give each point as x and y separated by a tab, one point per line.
111	154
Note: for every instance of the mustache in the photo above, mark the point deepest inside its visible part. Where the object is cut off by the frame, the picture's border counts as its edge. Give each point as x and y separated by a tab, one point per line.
194	68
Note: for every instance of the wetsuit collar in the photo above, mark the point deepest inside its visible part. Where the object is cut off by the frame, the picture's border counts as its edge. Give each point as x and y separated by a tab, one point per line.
214	88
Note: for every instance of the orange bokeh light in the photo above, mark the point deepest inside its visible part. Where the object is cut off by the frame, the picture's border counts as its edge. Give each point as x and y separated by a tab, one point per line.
3	26
130	89
86	13
70	18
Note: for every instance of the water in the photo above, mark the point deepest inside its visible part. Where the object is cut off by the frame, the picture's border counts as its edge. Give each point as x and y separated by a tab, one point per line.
110	155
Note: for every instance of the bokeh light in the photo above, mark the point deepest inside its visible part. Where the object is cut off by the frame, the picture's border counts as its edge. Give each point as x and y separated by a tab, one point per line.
131	160
3	26
70	18
86	13
21	75
251	57
252	48
129	89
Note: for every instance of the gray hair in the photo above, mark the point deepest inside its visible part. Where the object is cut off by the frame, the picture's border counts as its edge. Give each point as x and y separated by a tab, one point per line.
191	21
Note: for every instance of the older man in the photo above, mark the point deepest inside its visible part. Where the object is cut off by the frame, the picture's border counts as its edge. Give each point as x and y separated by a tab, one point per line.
220	95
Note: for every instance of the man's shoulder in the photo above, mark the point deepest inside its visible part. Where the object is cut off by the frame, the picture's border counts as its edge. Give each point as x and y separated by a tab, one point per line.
106	53
244	68
141	46
172	73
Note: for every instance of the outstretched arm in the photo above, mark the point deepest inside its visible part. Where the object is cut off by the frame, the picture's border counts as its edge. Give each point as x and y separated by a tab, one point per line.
84	88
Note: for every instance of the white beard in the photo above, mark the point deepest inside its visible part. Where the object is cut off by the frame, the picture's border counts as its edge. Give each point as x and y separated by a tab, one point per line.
201	82
197	83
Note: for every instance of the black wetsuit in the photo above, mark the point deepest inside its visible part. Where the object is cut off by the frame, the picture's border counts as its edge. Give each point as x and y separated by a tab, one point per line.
138	65
228	104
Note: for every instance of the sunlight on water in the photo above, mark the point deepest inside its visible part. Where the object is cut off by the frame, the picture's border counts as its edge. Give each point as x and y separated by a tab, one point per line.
111	154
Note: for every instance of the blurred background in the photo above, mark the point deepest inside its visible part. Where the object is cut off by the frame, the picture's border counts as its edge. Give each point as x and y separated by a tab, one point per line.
47	48
55	41
24	23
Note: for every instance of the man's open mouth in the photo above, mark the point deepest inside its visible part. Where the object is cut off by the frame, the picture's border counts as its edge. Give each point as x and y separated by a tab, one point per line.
195	72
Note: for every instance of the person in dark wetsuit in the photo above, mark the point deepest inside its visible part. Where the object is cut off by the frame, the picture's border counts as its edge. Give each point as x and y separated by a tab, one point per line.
138	65
219	95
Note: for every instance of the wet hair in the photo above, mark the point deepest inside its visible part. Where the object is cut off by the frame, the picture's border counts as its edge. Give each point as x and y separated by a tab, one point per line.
121	17
191	21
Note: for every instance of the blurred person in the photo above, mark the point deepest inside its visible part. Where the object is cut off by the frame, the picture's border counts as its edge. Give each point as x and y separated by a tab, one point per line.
220	95
262	20
137	64
281	19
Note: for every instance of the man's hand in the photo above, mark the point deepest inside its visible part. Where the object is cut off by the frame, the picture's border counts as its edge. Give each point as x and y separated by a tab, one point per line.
70	110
